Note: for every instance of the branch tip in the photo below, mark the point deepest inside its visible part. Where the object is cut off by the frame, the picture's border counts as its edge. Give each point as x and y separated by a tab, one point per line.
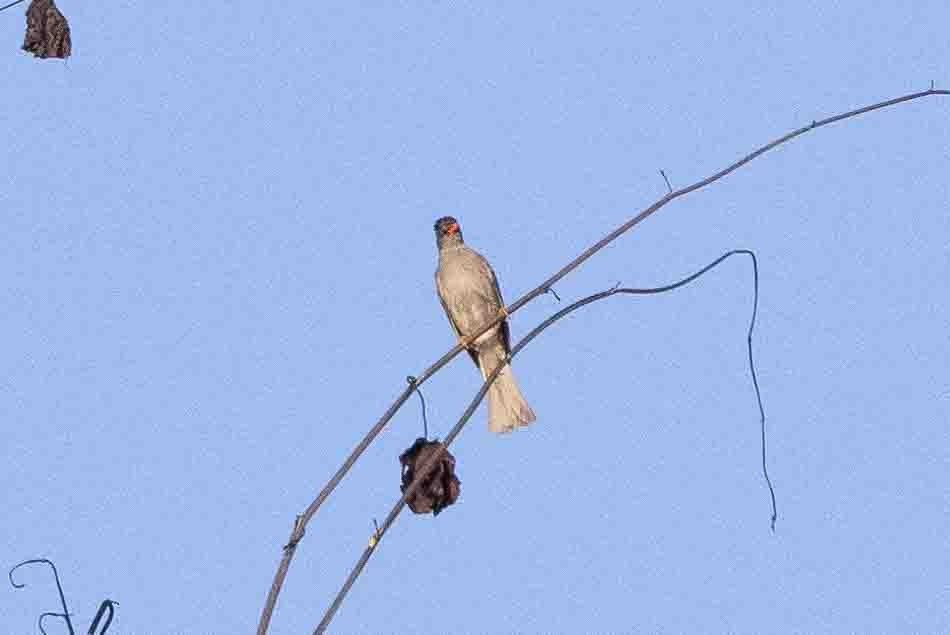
376	535
297	533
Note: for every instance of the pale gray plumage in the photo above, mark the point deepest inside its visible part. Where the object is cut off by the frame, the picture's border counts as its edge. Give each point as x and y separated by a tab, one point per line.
471	298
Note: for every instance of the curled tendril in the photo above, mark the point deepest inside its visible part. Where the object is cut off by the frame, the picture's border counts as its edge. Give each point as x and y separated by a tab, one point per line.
59	587
65	616
107	608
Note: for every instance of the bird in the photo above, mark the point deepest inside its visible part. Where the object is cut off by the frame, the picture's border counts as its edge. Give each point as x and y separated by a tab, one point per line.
471	297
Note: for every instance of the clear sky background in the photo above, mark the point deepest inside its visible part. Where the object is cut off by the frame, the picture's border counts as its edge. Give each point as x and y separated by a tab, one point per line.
217	271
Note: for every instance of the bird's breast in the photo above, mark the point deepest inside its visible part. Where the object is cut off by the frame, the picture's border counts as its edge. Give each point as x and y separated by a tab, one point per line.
467	289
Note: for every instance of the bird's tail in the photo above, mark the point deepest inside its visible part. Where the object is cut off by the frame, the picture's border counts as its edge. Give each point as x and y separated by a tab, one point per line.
507	407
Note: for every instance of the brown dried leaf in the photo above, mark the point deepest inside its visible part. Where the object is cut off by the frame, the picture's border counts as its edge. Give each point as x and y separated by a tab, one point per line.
440	488
47	31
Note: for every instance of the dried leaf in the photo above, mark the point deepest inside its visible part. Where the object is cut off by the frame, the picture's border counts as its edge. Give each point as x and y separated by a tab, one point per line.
440	488
47	31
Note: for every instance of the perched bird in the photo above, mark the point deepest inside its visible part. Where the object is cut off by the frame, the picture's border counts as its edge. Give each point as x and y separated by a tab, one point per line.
471	298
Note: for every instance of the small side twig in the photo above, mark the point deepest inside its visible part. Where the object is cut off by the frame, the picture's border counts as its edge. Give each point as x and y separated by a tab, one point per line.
668	186
12	4
375	537
425	421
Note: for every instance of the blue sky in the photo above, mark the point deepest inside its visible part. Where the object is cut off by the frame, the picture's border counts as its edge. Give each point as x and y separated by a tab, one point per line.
217	271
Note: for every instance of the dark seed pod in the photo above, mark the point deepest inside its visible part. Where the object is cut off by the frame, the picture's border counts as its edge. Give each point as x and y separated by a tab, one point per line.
47	31
440	487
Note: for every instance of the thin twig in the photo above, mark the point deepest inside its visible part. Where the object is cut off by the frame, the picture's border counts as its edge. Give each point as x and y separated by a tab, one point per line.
302	520
12	4
107	605
665	178
425	420
755	384
423	472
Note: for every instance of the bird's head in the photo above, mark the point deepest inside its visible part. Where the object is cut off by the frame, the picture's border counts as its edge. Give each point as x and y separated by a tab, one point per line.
447	232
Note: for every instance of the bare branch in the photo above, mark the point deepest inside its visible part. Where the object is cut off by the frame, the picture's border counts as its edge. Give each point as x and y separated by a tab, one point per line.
427	467
302	520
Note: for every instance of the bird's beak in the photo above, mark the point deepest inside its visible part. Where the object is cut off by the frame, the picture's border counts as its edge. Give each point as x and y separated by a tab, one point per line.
451	229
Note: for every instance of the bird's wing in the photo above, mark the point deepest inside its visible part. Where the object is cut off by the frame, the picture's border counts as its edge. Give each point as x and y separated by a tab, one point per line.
448	314
504	330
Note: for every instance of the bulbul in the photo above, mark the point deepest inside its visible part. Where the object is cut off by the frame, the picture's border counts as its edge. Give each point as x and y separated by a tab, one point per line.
471	298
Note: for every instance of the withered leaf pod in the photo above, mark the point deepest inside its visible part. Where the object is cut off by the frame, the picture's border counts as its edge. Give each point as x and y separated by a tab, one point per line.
47	31
440	488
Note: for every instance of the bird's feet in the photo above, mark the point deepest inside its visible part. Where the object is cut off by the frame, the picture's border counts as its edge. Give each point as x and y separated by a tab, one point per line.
466	341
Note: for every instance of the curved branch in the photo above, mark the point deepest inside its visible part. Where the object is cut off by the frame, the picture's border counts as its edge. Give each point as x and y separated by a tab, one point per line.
434	459
301	520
